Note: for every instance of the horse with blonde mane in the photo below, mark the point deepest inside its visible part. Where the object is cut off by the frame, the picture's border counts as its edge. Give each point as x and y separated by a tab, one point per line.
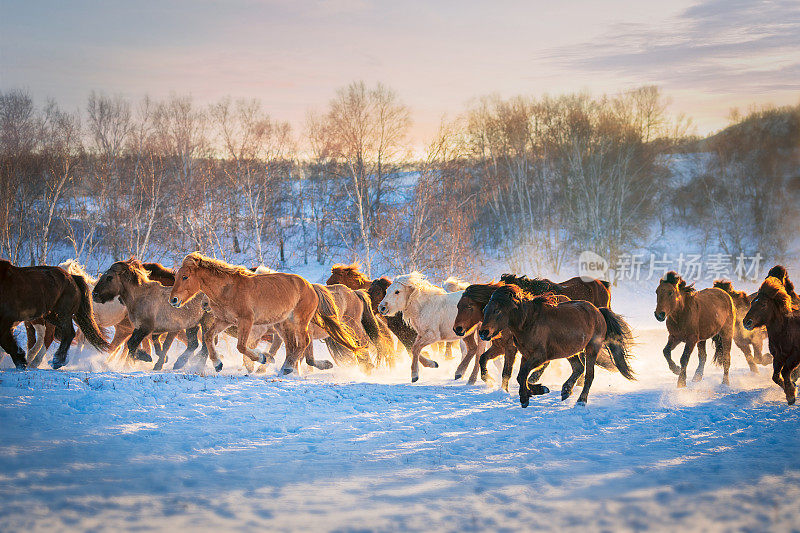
431	311
242	298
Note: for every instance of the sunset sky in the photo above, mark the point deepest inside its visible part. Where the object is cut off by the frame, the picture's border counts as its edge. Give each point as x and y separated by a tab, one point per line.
708	56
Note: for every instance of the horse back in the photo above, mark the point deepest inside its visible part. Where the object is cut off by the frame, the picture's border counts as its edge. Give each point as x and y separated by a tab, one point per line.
594	291
33	292
563	330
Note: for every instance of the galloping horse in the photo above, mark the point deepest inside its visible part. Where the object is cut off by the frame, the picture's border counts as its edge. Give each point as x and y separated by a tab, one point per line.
692	317
49	293
594	291
545	330
148	309
240	297
431	312
772	307
750	342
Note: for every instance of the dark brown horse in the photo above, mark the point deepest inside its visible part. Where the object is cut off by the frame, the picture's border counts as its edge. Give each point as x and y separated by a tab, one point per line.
693	317
350	276
772	307
595	291
750	342
49	293
544	330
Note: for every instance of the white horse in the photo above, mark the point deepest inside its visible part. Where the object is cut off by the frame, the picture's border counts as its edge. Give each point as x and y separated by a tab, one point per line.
431	311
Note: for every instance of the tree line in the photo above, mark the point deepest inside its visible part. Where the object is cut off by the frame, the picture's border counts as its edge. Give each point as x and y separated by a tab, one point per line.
529	181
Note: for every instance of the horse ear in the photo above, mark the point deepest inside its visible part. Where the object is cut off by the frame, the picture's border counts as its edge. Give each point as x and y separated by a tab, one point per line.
682	284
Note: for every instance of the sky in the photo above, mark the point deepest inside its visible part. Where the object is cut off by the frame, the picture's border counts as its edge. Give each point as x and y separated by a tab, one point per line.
708	56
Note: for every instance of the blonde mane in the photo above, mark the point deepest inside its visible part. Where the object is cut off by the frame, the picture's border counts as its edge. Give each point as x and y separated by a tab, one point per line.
453	284
217	266
73	267
418	282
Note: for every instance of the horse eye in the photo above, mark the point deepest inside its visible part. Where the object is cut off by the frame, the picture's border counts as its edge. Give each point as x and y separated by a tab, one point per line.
185	278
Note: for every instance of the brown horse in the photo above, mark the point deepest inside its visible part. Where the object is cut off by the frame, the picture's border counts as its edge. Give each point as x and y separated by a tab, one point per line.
49	293
750	342
147	303
350	276
240	297
595	291
772	307
544	330
693	317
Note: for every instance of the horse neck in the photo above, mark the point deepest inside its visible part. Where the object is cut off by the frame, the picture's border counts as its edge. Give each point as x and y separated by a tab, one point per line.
415	303
131	292
212	283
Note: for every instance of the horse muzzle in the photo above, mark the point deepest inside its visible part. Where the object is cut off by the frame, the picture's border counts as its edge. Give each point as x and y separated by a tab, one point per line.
458	330
485	335
660	316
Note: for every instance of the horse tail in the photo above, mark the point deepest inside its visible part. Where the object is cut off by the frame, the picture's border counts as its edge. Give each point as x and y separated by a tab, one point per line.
368	319
718	352
84	316
327	317
619	340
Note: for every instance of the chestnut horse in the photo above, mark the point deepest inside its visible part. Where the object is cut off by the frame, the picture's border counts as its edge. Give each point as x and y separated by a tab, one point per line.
750	342
544	330
49	293
693	317
147	303
350	276
772	307
240	297
595	291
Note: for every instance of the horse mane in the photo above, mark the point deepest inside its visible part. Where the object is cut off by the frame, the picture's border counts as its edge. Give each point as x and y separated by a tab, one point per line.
773	289
480	293
419	282
353	270
675	279
453	284
781	274
530	285
508	293
74	268
131	270
727	286
217	266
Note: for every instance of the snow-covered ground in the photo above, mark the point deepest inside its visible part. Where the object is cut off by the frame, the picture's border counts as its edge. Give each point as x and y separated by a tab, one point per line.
93	447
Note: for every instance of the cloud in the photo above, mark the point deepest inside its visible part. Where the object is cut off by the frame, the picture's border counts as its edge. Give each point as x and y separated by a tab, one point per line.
716	45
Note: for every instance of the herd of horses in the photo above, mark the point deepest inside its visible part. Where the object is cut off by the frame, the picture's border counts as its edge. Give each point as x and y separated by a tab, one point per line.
363	322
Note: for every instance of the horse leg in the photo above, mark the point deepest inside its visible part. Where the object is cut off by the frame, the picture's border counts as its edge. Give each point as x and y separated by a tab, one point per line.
525	368
534	387
671	343
788	385
494	351
416	357
67	332
469	354
310	361
293	338
702	355
38	351
191	344
591	358
244	327
726	342
138	335
576	362
9	343
687	351
744	346
162	353
209	334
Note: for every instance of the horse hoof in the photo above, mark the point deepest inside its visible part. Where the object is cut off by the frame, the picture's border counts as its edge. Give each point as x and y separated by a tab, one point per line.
324	365
524	403
21	366
435	365
143	356
58	364
414	379
458	376
218	366
581	403
262	359
537	389
287	371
